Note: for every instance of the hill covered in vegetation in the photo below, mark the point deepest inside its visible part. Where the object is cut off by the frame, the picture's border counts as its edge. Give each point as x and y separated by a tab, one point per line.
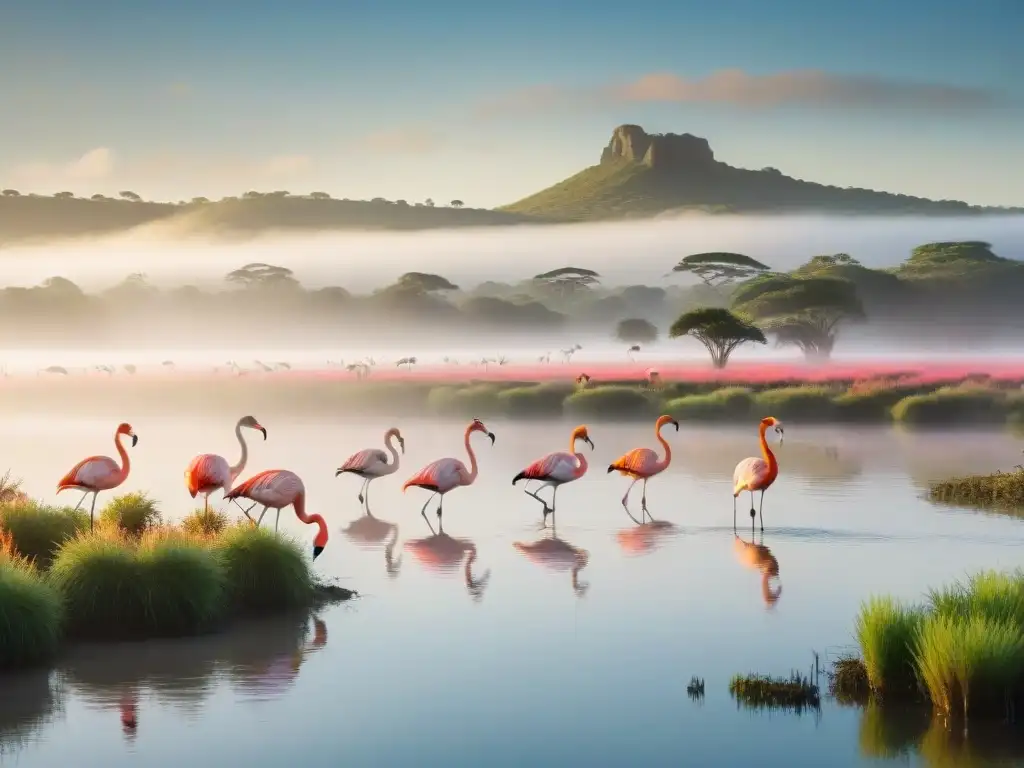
642	175
36	217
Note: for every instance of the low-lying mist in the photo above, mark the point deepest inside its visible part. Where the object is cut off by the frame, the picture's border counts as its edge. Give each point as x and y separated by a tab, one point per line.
622	252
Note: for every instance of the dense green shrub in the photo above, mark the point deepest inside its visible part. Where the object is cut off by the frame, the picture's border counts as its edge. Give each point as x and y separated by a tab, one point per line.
264	572
30	614
537	401
728	404
475	401
113	586
134	513
797	403
886	632
612	403
949	405
38	531
205	522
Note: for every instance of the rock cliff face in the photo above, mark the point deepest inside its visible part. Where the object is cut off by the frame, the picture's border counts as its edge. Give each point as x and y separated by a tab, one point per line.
670	151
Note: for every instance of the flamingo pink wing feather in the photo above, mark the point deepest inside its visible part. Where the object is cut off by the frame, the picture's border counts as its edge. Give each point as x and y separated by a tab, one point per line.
205	473
363	459
91	472
749	475
443	475
639	462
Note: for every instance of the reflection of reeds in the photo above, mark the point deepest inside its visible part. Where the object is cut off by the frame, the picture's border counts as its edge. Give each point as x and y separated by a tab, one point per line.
797	693
695	689
889	733
29	702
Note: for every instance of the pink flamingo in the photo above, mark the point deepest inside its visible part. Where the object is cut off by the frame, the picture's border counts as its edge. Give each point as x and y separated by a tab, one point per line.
643	463
444	475
209	472
556	469
372	463
756	474
99	473
277	488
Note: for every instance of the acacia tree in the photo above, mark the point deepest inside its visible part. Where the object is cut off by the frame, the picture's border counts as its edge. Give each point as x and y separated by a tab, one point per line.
127	194
259	275
424	282
457	203
567	281
636	330
719	330
11	193
718	269
802	312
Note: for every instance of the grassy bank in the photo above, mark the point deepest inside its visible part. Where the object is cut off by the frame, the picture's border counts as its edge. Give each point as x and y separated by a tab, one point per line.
962	650
135	577
963	403
1002	490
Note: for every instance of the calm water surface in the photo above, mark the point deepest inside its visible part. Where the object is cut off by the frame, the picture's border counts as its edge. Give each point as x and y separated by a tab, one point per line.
564	647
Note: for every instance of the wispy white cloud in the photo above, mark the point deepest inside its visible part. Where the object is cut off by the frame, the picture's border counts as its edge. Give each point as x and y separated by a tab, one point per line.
412	140
96	165
737	88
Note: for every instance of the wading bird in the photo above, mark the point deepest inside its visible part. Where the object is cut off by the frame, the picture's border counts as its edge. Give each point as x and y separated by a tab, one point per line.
632	351
276	489
643	463
445	475
55	369
408	362
209	472
757	474
568	353
372	463
557	469
99	473
558	555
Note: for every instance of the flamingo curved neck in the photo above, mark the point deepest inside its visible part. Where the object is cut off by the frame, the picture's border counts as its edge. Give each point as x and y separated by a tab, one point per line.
236	470
664	444
472	463
390	445
581	461
300	512
126	463
769	457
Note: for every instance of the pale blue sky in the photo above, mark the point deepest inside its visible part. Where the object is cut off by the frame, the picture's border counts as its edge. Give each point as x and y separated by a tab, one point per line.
490	102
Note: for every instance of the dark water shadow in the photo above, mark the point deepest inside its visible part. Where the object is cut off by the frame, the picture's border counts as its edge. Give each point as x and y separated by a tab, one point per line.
557	554
906	733
443	554
29	702
259	659
369	532
760	558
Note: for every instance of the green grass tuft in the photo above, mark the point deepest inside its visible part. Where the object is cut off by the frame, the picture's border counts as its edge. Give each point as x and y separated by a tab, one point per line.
799	403
474	401
848	681
30	615
37	531
205	522
134	513
727	404
537	401
264	572
952	405
1002	490
886	632
760	692
113	586
614	402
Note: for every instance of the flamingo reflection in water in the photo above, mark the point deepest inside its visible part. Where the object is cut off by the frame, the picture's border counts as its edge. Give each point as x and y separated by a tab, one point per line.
271	679
442	553
646	536
369	531
760	558
558	555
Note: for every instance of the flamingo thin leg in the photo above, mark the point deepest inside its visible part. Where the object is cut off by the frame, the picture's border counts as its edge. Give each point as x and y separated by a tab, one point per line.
361	489
625	499
277	519
643	497
424	510
260	521
92	509
366	492
81	500
760	510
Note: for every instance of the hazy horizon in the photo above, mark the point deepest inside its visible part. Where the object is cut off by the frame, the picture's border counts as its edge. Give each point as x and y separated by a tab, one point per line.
632	252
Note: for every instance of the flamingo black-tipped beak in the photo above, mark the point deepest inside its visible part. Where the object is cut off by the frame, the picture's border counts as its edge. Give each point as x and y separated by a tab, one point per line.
589	442
401	444
675	424
264	431
135	440
337	472
317	551
491	435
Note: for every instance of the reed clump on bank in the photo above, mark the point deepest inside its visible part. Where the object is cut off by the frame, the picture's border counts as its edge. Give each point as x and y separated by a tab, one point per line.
30	611
963	650
998	490
882	401
115	583
133	513
760	692
37	530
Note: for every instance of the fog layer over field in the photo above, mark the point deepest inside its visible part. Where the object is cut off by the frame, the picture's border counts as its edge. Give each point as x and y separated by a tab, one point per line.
623	253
